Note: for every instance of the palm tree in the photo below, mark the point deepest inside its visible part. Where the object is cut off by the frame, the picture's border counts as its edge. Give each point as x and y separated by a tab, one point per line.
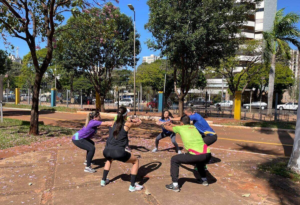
284	31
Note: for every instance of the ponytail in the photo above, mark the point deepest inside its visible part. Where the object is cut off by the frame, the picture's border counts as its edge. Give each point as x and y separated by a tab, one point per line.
120	121
91	116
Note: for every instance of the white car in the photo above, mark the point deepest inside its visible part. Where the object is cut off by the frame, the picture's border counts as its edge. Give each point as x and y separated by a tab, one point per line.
288	106
227	103
258	105
128	102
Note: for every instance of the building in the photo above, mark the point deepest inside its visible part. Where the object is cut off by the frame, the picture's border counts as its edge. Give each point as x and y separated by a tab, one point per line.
261	20
15	58
150	59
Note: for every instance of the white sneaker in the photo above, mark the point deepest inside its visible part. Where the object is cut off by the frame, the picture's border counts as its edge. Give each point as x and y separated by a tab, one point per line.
179	152
136	187
127	149
89	170
154	150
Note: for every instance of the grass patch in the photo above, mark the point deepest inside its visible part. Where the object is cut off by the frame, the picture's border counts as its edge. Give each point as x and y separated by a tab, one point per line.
279	168
42	107
280	125
15	133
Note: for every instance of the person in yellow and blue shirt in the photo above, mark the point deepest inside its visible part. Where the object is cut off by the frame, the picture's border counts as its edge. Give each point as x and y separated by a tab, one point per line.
208	134
198	152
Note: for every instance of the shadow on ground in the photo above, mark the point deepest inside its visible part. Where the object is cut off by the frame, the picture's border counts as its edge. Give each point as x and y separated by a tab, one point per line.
142	173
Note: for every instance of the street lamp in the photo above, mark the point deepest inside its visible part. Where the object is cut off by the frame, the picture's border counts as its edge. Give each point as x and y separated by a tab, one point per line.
253	89
132	8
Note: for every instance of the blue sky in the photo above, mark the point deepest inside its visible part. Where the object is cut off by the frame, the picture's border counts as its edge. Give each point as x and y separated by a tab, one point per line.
142	11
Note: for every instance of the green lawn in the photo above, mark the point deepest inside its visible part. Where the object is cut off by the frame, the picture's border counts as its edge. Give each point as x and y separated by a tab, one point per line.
58	108
15	132
280	125
279	167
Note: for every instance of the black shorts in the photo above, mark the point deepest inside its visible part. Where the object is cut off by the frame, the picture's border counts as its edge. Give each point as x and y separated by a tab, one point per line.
116	154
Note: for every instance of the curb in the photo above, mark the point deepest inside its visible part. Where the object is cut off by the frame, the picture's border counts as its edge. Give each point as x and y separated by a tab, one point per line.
155	118
255	128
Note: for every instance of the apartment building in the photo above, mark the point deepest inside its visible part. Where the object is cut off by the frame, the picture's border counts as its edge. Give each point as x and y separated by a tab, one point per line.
150	59
261	20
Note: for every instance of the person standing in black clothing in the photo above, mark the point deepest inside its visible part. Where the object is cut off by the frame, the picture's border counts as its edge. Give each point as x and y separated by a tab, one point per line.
115	148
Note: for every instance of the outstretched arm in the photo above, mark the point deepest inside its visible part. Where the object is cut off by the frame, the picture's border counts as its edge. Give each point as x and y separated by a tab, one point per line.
175	119
107	123
129	125
168	127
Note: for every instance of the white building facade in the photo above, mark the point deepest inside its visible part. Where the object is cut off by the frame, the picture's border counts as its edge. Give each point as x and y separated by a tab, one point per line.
261	20
150	59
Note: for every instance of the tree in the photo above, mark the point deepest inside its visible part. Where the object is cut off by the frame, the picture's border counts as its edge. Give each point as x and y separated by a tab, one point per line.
5	62
153	75
239	71
284	31
99	56
33	20
194	35
294	163
284	79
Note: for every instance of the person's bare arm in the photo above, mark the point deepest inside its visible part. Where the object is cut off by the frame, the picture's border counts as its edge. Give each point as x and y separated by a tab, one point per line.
169	128
175	119
129	125
107	123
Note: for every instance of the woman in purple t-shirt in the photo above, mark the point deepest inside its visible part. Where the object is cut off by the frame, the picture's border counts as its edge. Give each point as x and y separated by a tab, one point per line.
82	138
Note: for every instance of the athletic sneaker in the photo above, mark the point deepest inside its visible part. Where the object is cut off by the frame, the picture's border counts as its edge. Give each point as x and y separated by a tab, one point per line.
103	183
179	152
196	169
127	149
136	187
154	150
89	170
172	187
85	163
204	183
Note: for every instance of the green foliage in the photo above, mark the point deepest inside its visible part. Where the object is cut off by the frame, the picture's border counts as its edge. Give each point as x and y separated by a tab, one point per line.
251	67
284	31
194	35
102	42
120	77
294	90
284	78
279	168
84	84
5	62
15	133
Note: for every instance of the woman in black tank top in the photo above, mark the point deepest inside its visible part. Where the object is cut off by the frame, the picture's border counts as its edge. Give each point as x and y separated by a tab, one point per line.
115	148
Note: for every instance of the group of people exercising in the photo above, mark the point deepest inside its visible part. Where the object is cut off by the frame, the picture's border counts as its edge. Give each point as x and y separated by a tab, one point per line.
196	138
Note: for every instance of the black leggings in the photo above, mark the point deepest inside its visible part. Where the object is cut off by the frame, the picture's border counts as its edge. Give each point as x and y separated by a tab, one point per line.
209	138
163	135
89	146
200	161
116	154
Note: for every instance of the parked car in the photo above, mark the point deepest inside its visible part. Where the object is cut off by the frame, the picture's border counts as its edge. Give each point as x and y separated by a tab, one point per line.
227	103
288	106
199	102
256	105
152	104
108	101
128	102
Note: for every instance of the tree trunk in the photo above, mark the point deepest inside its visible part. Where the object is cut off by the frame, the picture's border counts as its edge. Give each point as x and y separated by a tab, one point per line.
180	105
98	101
294	163
271	85
34	120
102	108
71	86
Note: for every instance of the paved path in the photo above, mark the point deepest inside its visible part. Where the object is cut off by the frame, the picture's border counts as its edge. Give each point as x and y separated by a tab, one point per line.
52	172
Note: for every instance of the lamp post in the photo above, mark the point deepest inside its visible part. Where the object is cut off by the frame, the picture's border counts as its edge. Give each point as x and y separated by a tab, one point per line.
253	89
134	102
